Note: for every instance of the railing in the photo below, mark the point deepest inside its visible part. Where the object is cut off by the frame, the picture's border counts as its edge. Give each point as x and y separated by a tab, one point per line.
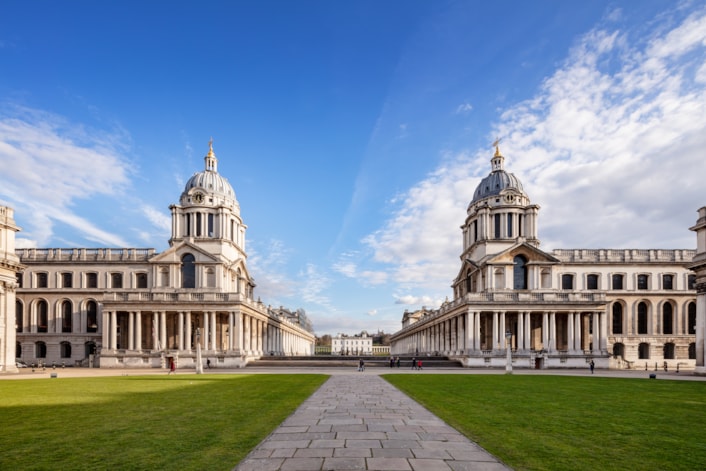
82	254
623	255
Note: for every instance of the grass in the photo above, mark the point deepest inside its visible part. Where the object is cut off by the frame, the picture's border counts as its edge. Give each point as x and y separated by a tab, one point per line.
143	422
577	423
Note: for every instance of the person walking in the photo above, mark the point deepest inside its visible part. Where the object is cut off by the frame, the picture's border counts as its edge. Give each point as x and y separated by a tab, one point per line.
414	363
592	366
361	365
172	367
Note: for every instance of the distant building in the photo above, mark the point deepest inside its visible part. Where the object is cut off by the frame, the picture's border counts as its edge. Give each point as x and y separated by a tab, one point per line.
361	344
115	307
621	308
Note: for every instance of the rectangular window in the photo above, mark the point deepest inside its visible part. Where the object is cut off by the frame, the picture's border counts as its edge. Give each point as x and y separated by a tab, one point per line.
475	231
141	279
91	280
642	281
67	280
42	280
198	224
210	225
19	280
497	226
520	233
509	225
691	283
567	281
667	282
592	282
618	282
188	225
116	280
232	230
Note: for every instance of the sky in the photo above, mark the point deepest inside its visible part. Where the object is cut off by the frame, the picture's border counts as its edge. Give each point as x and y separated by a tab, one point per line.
353	132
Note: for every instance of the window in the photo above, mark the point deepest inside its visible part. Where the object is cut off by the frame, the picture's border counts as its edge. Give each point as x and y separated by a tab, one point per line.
91	317
141	280
66	317
67	280
198	224
617	318
668	351
19	317
42	316
497	226
19	280
210	278
691	283
667	319
475	231
42	280
643	351
642	281
691	328
520	233
116	280
642	318
210	225
692	351
509	225
618	282
520	272
188	271
667	281
232	230
592	282
618	350
91	280
164	276
188	225
40	350
546	278
567	281
65	349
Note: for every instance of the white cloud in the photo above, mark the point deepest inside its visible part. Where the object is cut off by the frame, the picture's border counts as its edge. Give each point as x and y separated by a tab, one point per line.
464	108
611	147
160	220
49	164
268	265
372	312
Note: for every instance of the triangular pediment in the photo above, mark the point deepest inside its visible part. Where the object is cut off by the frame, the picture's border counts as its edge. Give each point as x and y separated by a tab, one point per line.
174	254
533	254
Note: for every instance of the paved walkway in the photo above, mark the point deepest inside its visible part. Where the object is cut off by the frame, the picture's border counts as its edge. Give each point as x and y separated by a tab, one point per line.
360	421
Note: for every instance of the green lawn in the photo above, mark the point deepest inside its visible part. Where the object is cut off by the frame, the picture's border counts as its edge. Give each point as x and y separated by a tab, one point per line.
572	423
204	422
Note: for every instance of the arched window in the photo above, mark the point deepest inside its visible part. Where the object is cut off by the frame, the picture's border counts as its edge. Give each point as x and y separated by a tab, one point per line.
66	317
188	271
42	316
619	350
141	280
692	318
667	319
617	318
668	351
91	317
643	351
520	272
65	349
40	350
89	348
642	318
19	317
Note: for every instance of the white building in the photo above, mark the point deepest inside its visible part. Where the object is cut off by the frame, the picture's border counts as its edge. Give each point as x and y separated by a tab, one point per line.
361	344
699	266
117	308
9	267
561	309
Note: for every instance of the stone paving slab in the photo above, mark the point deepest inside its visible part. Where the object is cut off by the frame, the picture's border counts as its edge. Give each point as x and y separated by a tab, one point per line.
362	422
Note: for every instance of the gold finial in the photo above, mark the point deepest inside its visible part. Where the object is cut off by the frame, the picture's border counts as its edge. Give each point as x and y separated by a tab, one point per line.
496	144
210	146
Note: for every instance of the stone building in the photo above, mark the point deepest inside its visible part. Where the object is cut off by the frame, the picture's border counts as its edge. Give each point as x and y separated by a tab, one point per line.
699	266
621	308
118	308
9	267
360	344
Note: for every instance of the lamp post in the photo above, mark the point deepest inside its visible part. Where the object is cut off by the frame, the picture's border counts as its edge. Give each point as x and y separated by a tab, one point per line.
508	346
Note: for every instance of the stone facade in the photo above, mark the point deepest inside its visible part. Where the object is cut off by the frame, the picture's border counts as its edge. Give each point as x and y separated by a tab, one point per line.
118	308
620	308
9	267
699	266
343	344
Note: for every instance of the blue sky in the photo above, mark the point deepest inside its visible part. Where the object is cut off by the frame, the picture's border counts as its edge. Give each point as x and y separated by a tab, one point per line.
353	133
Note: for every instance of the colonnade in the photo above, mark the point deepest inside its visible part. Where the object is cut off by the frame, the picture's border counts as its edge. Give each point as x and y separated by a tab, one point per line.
481	332
233	331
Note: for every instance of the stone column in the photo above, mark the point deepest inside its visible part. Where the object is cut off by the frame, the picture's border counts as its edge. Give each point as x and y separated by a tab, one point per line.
180	323
105	327
552	332
603	318
187	337
155	331
163	330
204	337
214	332
113	330
503	328
138	330
578	331
571	345
520	331
131	331
528	330
545	331
476	329
470	331
596	333
496	327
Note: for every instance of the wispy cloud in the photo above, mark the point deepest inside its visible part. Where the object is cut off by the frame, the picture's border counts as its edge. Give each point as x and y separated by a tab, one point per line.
50	163
611	147
464	108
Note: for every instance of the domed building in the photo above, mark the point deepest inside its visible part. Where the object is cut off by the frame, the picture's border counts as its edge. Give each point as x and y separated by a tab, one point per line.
120	308
617	308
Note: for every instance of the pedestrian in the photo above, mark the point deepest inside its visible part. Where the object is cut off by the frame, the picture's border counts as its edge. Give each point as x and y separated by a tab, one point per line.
398	362
172	367
414	363
392	362
208	363
361	365
592	365
419	364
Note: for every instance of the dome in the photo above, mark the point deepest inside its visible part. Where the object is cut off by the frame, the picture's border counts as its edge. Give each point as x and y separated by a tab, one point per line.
498	181
208	183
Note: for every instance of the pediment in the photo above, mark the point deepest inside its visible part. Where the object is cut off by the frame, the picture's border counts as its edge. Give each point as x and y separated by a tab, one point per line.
531	253
176	252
